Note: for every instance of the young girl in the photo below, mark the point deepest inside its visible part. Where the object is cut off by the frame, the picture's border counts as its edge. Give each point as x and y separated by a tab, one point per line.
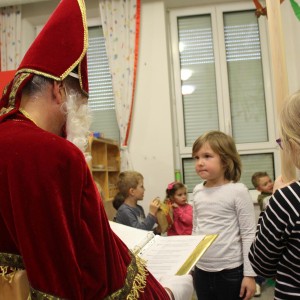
131	186
222	206
182	212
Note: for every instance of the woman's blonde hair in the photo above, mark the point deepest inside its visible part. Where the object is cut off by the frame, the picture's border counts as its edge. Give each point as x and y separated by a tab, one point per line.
290	121
128	180
223	145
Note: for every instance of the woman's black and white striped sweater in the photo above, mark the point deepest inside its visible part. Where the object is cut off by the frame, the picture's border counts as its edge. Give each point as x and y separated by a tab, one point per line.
276	249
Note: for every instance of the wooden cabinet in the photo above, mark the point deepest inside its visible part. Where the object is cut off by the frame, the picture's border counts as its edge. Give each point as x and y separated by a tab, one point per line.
105	167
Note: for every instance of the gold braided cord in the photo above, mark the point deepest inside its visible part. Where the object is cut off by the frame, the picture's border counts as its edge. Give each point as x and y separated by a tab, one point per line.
36	72
8	273
17	82
37	295
11	260
27	115
85	44
9	265
135	281
5	110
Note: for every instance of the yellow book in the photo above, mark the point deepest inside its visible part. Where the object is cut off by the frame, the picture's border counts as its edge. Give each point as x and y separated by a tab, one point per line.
164	255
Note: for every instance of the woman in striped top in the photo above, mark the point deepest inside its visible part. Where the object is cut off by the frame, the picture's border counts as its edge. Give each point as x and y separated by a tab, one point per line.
276	249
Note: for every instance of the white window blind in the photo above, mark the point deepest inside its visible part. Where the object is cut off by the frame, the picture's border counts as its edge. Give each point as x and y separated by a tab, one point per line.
101	99
245	77
197	63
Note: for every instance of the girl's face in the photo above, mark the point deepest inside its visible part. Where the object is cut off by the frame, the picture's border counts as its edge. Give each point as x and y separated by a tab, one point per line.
209	167
180	197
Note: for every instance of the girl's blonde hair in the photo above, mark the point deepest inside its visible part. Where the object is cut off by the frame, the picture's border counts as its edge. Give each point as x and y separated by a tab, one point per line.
290	121
128	180
223	145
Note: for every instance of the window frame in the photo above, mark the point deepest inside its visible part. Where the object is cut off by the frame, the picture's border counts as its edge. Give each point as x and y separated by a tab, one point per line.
216	12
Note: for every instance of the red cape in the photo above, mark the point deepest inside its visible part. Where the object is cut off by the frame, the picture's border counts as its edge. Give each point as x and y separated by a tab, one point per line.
52	215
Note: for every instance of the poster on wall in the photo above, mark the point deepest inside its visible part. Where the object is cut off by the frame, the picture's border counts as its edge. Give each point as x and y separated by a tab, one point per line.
5	78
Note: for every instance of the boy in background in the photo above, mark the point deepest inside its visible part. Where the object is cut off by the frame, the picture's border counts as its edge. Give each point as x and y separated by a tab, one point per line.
264	184
131	187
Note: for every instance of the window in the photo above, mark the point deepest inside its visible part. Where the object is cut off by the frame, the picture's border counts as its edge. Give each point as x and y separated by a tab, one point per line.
101	99
222	82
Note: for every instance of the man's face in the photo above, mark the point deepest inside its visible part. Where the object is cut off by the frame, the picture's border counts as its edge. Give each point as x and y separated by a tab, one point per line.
265	185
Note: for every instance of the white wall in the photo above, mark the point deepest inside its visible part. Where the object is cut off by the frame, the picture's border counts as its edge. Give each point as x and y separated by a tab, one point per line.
151	140
151	137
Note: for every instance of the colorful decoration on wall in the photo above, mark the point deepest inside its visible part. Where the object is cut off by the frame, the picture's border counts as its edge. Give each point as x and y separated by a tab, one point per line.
296	8
260	10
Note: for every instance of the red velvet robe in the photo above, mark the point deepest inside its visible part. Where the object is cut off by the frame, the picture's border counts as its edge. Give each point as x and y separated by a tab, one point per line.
52	215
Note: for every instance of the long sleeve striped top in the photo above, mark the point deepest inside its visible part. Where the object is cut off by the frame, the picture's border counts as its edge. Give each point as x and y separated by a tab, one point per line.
275	251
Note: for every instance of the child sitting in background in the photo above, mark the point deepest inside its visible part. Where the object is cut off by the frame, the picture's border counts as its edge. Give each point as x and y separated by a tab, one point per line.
264	184
118	201
131	187
176	193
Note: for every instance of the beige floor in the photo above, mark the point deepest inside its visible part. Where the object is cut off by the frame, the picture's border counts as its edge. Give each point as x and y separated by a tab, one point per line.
267	292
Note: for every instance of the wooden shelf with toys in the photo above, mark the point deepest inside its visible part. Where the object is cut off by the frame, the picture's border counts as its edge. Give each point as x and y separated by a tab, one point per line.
105	168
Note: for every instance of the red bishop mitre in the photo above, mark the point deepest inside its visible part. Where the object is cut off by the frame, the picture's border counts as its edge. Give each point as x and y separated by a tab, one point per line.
60	48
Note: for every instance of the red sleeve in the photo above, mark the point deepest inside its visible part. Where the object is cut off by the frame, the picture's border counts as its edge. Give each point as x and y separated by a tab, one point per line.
183	221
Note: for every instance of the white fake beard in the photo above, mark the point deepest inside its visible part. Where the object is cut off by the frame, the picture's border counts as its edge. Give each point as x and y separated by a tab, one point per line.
78	122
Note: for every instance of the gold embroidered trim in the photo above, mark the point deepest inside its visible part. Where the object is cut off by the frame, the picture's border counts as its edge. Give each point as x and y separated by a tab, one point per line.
135	281
11	260
9	265
32	71
37	295
5	110
18	81
85	47
26	114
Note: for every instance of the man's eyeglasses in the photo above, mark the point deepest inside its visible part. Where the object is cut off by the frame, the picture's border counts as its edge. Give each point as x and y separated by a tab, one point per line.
278	141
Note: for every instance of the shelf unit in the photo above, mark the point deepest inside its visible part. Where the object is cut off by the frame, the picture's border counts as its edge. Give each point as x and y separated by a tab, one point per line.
105	168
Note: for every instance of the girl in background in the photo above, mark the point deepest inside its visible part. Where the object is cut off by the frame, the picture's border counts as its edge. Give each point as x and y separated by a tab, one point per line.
222	206
176	194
